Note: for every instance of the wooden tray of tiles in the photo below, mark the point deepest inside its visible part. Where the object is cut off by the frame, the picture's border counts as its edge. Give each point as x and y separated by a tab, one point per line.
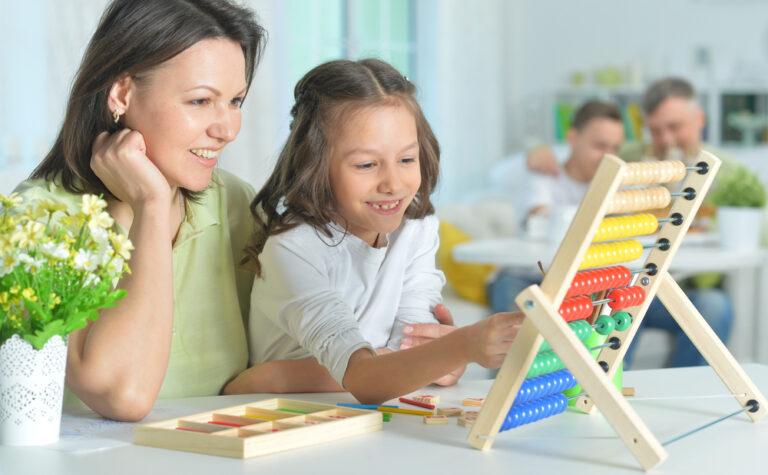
259	428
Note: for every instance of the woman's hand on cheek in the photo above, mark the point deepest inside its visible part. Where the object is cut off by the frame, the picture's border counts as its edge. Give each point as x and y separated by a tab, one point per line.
121	162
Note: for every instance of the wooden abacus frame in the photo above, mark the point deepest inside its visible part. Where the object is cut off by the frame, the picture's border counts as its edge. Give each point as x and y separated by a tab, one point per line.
540	303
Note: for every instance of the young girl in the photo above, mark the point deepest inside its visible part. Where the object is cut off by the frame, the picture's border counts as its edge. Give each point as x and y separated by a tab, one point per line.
345	248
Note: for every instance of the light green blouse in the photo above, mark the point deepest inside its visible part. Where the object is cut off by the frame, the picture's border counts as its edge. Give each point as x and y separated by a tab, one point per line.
211	290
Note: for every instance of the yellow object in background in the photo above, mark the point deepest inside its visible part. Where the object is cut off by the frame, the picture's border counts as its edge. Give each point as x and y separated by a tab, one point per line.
467	279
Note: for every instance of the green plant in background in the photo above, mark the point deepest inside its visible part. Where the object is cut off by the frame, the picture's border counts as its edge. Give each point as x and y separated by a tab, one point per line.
739	187
57	270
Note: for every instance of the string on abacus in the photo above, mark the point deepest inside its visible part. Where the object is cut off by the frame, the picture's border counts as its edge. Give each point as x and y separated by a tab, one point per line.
752	406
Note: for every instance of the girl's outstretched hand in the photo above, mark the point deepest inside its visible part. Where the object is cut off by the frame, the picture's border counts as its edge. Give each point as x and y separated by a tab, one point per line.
492	337
120	161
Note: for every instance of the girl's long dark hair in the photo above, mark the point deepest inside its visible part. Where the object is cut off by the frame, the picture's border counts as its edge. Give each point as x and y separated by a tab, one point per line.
299	189
133	37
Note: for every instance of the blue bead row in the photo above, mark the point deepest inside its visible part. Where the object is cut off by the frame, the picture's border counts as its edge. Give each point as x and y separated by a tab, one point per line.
545	385
534	411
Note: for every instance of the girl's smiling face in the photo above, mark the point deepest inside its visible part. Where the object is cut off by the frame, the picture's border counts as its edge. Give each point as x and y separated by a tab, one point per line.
374	168
188	109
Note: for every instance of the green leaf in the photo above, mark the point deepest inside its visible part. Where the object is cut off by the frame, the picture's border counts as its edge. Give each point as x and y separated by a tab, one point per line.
41	337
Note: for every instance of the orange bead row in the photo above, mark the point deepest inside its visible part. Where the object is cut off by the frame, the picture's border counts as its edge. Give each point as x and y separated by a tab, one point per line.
629	201
647	173
621	227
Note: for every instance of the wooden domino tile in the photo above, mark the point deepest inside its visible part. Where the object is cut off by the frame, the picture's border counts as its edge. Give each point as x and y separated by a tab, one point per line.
450	411
435	420
259	428
427	398
472	401
466	421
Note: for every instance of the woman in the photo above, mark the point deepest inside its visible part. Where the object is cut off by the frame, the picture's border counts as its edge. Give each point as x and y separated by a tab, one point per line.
156	99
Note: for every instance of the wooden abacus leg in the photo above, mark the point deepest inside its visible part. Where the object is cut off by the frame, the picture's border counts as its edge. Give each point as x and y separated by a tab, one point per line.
710	346
579	361
506	386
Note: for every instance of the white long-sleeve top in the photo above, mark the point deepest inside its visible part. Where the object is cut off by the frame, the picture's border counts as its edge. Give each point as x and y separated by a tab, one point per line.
328	297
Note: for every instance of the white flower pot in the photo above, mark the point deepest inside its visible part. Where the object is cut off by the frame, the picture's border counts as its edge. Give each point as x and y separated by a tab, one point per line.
31	391
740	227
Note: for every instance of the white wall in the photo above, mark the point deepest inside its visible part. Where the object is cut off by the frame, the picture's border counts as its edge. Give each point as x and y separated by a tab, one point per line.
461	76
556	37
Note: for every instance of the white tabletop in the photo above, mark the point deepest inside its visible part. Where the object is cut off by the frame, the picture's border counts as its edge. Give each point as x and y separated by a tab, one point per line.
567	443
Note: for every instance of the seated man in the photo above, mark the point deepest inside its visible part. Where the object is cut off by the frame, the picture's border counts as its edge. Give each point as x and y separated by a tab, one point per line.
597	129
676	122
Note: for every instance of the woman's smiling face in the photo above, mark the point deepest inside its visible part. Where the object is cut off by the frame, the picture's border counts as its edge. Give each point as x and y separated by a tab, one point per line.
188	109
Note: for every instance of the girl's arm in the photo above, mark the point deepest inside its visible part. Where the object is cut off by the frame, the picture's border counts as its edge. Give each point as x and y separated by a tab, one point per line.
374	379
287	376
117	364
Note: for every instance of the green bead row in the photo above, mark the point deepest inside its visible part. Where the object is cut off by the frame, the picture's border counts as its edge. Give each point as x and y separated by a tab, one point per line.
548	362
581	328
604	325
545	363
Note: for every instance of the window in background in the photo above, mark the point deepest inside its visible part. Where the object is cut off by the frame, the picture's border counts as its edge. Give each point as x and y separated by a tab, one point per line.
24	134
352	29
381	29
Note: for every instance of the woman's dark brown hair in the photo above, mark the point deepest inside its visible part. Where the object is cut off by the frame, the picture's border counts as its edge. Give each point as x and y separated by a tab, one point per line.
133	37
299	190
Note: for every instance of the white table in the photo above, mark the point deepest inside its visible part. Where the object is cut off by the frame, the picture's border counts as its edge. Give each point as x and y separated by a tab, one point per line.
568	443
747	282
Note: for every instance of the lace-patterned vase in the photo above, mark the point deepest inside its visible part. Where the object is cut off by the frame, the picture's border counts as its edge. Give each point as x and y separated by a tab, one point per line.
31	391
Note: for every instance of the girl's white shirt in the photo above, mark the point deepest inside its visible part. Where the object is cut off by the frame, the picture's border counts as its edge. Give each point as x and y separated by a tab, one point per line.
327	297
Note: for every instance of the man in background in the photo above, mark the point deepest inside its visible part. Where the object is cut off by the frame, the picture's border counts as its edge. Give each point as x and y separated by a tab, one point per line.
597	129
676	122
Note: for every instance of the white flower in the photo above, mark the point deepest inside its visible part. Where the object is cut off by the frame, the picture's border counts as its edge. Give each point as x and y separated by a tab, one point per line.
115	266
99	236
101	220
30	263
91	280
57	251
122	245
10	201
7	263
85	260
92	205
27	235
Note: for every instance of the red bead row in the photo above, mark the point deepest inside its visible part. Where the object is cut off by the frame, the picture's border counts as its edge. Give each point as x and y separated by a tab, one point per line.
579	308
590	281
626	297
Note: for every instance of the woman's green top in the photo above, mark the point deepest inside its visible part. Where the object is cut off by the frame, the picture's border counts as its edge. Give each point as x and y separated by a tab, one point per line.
211	290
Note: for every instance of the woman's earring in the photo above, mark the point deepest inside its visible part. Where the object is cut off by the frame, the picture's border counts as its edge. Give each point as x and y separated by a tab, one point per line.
116	115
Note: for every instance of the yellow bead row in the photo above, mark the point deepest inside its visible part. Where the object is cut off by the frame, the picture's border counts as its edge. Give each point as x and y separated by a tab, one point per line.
648	173
629	201
599	255
621	227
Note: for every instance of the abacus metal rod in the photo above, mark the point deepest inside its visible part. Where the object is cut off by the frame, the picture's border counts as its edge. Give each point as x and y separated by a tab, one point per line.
752	406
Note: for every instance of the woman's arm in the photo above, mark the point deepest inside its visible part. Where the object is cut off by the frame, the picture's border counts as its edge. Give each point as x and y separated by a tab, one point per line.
374	379
284	376
117	364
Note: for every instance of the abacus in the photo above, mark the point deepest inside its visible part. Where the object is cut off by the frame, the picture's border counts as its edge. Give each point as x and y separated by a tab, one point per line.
529	384
258	428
